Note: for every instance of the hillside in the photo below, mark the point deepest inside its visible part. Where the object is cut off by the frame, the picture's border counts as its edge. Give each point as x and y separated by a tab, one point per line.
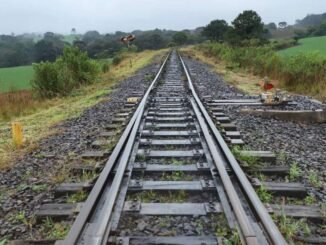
15	78
307	45
311	20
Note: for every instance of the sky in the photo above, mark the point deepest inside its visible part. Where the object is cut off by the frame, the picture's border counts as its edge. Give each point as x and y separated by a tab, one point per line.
107	16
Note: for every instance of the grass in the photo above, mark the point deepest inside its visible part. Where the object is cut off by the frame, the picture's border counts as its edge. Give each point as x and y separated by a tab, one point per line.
77	197
295	172
244	81
245	67
313	179
14	104
39	122
52	230
310	44
290	227
246	160
15	78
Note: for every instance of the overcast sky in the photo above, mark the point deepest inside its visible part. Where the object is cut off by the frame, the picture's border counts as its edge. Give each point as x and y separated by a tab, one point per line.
20	16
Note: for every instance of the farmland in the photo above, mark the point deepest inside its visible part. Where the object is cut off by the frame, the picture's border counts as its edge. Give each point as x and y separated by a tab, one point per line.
15	78
307	45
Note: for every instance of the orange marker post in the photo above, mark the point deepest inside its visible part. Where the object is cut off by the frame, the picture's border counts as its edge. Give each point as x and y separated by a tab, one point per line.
17	133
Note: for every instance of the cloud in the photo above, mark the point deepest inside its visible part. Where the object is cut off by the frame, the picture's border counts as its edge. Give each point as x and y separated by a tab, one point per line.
20	16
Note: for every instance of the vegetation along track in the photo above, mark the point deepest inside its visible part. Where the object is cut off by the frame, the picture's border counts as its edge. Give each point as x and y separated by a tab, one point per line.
170	174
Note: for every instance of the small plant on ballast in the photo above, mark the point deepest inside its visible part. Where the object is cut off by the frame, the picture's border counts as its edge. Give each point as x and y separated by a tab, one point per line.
77	197
310	199
262	192
52	230
289	227
264	195
313	179
233	239
247	160
295	171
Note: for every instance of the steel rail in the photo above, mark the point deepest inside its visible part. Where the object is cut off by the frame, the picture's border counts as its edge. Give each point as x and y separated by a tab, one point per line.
269	225
243	220
122	150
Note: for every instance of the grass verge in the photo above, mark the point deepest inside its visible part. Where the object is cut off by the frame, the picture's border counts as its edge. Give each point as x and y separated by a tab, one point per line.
307	45
15	78
246	82
303	73
39	123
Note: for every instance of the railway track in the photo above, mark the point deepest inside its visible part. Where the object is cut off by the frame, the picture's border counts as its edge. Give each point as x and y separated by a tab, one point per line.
172	165
170	148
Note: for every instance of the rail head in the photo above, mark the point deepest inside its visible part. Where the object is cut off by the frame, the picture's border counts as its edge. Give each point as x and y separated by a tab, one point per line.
259	208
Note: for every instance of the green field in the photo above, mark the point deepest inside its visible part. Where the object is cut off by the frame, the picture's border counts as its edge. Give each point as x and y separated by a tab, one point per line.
307	45
15	78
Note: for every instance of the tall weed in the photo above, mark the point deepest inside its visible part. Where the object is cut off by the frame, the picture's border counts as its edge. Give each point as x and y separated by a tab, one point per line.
304	72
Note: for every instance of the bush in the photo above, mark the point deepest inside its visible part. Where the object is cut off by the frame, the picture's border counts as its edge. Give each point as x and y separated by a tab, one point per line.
69	71
116	59
105	67
304	72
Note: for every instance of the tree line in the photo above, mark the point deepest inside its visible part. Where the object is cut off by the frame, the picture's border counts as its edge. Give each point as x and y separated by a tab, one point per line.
24	49
247	29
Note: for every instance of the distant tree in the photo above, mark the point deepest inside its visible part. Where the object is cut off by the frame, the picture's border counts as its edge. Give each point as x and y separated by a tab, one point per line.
15	50
49	48
248	25
90	36
49	35
150	40
232	37
311	20
216	30
320	30
282	24
180	38
271	26
73	31
80	44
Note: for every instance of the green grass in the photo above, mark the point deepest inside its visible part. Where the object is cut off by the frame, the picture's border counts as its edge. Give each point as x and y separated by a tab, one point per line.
39	121
307	45
15	78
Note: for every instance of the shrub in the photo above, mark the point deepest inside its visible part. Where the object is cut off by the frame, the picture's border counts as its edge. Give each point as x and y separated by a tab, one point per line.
69	71
304	72
105	67
116	59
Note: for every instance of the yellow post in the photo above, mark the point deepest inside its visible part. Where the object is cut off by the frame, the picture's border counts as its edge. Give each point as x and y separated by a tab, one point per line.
17	133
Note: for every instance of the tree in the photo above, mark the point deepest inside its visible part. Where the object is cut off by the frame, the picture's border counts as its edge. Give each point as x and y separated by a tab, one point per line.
248	25
49	48
150	40
73	31
216	30
232	37
90	36
180	38
271	26
15	50
320	30
282	25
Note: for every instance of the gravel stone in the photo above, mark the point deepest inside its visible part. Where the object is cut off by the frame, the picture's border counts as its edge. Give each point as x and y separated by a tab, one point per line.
302	143
54	152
